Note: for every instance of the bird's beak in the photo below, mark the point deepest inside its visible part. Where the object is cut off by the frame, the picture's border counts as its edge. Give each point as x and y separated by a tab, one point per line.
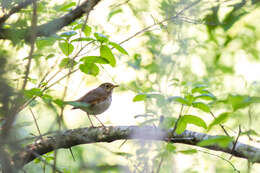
115	86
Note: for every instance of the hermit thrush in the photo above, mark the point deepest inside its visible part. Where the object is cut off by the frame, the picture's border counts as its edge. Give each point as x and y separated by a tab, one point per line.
98	100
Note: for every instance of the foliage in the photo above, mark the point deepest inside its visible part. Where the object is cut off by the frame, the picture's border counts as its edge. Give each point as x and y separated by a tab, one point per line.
186	76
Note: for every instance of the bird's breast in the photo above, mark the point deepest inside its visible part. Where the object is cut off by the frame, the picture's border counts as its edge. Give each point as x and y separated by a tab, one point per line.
100	107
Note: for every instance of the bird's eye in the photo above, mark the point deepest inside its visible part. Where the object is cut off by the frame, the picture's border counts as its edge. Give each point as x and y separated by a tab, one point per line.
107	86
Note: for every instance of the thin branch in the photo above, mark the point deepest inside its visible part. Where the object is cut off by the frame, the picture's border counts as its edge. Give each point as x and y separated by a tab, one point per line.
176	124
223	128
159	166
44	161
119	4
14	10
161	22
35	121
32	41
70	138
235	143
222	159
54	83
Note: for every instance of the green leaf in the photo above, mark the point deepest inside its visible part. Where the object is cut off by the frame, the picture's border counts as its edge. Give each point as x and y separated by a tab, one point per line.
100	37
139	97
50	56
190	151
66	48
83	39
112	13
202	106
198	88
170	147
34	81
59	102
68	34
220	119
33	92
77	26
232	17
47	98
118	47
135	62
250	132
87	30
190	98
152	67
94	59
180	100
35	56
106	52
49	159
241	101
208	96
37	160
44	42
191	119
181	126
67	63
66	6
222	141
89	68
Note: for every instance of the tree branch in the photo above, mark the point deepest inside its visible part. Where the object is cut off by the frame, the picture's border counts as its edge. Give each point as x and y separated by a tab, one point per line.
53	26
70	138
15	9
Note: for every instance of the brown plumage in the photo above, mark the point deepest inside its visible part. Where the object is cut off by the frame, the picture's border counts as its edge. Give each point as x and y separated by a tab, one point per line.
98	99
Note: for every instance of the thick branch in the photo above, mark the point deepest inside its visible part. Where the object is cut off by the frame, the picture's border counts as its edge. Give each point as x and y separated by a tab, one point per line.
56	24
53	26
79	136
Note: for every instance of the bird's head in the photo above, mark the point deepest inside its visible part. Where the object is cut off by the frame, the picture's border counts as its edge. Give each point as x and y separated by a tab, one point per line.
108	87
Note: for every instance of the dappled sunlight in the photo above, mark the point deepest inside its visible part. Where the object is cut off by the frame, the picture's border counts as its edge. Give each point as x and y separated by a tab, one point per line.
186	70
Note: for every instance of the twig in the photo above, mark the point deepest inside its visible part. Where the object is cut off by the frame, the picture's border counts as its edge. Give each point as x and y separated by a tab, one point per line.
122	143
222	159
32	41
220	124
35	121
118	5
60	118
176	124
235	143
44	161
161	22
47	87
60	79
159	166
15	9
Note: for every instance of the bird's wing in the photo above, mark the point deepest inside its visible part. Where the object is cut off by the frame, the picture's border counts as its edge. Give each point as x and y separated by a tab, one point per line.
93	97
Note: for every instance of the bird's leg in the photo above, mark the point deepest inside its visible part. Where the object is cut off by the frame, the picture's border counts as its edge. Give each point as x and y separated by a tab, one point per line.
90	120
99	121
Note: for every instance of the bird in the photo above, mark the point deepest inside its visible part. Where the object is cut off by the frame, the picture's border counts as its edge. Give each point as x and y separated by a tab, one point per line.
96	101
